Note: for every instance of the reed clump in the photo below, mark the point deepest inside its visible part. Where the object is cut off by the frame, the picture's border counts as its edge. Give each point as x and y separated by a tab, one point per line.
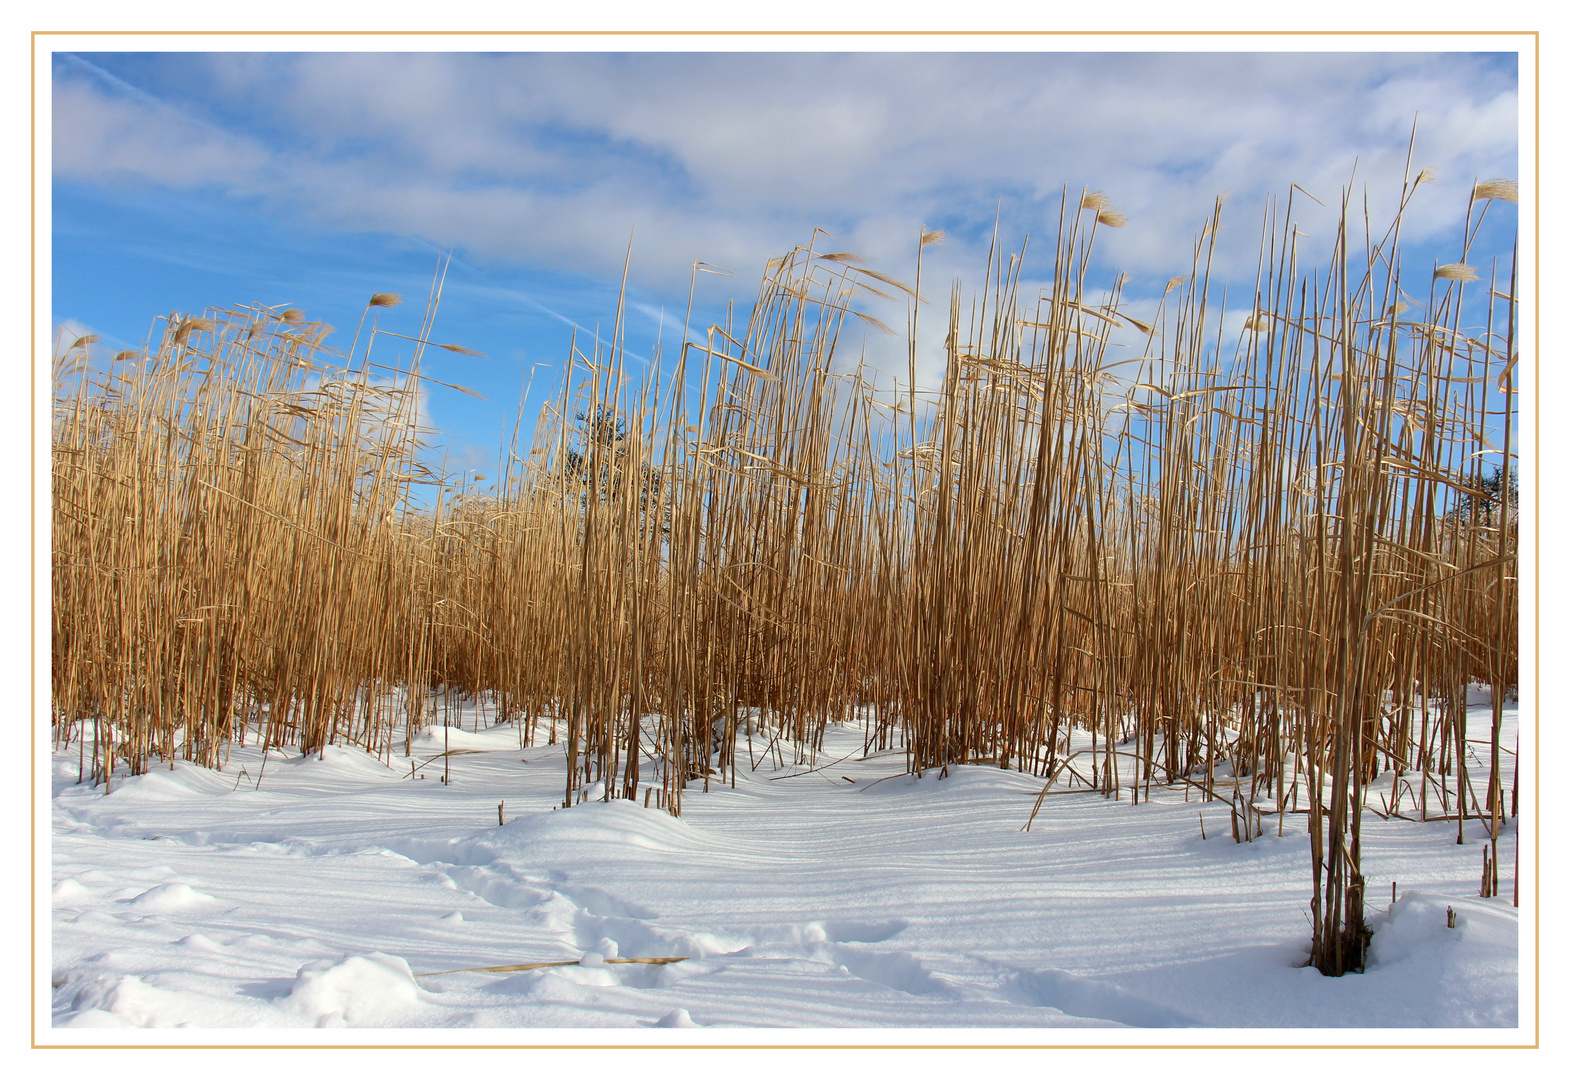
1264	568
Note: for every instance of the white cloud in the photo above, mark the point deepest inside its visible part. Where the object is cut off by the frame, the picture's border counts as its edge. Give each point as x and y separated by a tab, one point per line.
99	136
555	159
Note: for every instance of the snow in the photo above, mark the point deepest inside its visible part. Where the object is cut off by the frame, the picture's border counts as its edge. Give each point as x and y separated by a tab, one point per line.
848	899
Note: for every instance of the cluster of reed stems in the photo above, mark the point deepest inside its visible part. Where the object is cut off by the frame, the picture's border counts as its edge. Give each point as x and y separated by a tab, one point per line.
1265	567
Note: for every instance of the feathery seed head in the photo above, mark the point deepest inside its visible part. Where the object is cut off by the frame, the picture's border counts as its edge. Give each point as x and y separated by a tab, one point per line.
190	325
1497	188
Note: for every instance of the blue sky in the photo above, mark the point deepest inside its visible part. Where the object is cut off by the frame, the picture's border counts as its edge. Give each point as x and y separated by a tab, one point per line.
187	180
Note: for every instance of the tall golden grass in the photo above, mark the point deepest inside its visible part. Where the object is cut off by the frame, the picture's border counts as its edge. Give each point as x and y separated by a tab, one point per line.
1253	567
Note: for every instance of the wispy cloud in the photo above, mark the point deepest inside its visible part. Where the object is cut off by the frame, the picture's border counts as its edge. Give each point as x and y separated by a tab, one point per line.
555	158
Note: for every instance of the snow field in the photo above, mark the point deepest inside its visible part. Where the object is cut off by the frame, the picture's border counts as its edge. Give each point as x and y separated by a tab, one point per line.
851	897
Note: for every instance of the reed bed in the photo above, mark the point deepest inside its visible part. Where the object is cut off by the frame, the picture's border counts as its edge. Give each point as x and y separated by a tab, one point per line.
1264	568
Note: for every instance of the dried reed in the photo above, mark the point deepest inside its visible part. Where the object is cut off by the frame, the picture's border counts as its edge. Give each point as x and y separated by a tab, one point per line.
1267	575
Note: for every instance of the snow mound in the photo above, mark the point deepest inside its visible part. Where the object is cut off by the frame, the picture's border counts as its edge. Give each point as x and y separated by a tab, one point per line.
342	762
201	942
676	1018
171	899
1461	976
64	892
1416	924
371	990
618	825
167	786
1417	930
437	739
116	1001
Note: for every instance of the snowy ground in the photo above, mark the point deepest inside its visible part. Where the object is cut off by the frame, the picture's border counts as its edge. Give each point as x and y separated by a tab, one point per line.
817	900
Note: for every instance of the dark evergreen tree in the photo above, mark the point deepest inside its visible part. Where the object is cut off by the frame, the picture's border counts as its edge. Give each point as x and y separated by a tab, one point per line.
1484	508
599	462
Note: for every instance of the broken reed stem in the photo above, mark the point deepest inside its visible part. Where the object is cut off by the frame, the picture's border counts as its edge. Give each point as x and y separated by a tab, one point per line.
654	960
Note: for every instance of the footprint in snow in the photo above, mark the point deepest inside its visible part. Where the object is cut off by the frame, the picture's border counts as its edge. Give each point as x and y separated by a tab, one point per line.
1091	998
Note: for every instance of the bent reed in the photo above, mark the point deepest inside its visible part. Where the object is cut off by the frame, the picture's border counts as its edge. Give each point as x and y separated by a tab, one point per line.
1265	567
